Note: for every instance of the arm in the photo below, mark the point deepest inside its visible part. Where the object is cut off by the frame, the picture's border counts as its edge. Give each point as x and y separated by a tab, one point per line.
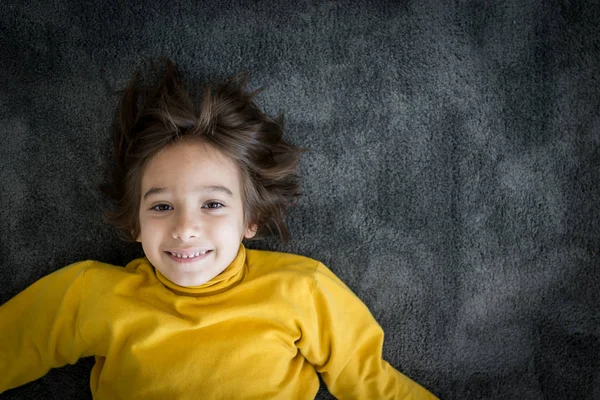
344	343
38	327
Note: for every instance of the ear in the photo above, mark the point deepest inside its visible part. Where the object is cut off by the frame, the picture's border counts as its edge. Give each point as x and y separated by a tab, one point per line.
251	231
138	238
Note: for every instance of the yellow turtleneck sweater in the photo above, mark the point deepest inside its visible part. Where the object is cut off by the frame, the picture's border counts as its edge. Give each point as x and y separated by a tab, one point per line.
259	330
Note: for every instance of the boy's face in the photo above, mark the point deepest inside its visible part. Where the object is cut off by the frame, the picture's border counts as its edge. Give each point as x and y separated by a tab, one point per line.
191	205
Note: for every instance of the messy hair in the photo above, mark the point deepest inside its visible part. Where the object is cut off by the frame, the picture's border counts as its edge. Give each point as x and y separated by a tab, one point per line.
152	117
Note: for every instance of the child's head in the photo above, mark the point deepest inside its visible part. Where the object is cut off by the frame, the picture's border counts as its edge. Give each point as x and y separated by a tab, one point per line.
191	178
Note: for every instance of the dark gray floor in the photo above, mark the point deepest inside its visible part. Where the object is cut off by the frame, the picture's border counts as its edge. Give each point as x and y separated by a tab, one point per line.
453	181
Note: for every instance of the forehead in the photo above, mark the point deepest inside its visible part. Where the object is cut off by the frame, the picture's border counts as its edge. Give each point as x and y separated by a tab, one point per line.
187	164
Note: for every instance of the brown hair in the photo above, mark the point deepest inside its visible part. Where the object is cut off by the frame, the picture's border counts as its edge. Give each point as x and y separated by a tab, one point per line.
153	117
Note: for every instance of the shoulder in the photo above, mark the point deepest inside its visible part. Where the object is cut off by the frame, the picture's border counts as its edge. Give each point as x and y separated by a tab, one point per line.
85	267
287	266
271	261
294	268
98	271
91	266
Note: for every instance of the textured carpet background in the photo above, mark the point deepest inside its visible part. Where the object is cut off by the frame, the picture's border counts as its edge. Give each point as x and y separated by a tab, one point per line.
452	182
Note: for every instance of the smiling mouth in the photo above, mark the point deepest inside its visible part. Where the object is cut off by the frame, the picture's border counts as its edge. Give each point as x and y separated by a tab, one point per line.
190	258
192	255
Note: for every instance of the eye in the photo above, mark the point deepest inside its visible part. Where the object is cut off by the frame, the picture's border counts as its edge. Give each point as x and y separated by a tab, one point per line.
213	205
161	207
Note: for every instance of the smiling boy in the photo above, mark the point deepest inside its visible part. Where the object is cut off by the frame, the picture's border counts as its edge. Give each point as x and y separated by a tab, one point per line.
200	316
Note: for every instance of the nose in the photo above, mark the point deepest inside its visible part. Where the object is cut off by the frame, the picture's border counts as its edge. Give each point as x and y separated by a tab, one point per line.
187	226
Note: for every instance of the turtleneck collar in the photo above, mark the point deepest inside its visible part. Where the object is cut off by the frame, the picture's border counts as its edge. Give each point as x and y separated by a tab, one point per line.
230	277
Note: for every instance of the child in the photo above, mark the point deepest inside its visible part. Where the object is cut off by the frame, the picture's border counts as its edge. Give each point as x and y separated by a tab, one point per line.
200	316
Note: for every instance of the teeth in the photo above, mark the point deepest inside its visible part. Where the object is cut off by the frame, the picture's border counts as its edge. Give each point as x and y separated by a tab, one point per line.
190	255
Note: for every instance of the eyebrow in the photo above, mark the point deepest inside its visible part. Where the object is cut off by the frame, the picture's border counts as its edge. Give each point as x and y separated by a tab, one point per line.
213	188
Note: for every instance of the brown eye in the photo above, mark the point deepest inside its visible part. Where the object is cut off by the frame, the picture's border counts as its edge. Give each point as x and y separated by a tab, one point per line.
213	205
161	207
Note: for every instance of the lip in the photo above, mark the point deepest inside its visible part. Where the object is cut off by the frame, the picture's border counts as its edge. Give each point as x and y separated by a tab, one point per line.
188	251
182	260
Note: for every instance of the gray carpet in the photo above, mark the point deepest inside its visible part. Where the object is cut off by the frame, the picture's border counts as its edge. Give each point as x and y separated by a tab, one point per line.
452	183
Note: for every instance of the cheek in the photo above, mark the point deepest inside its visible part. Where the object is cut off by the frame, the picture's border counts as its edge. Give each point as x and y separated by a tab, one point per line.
151	229
227	228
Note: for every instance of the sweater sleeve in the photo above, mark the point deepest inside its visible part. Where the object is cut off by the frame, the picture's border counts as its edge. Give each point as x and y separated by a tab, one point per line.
38	327
344	343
